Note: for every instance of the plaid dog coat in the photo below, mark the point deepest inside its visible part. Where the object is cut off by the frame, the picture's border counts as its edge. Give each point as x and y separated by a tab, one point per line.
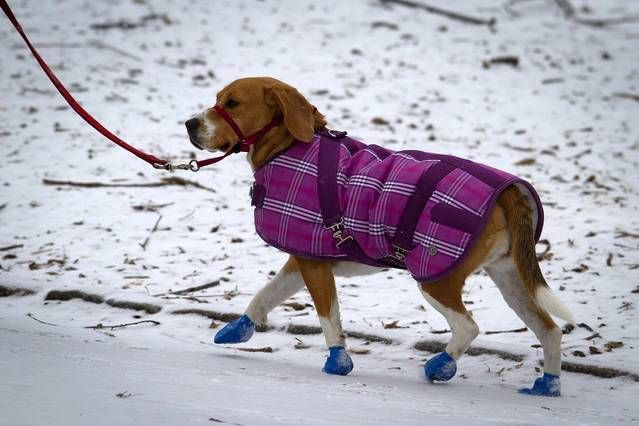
337	198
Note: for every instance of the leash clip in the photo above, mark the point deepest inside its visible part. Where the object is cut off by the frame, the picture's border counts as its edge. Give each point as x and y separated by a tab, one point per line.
169	167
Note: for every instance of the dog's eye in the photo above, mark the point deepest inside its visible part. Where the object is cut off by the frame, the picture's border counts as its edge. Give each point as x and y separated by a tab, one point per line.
231	103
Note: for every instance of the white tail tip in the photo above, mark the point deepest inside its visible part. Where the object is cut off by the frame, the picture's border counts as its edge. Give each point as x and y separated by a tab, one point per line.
549	301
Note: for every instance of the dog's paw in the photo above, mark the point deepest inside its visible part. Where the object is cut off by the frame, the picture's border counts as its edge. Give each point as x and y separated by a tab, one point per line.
237	331
339	361
440	368
547	385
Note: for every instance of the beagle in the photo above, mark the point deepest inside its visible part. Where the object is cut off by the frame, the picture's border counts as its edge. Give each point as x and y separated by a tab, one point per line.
341	207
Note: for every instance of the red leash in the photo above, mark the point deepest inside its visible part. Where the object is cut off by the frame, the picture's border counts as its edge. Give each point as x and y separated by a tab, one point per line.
194	165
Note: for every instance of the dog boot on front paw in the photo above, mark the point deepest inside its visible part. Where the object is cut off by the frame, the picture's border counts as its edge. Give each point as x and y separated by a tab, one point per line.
440	368
547	385
338	362
237	331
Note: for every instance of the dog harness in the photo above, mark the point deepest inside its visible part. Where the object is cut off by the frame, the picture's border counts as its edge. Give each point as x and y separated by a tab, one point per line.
337	198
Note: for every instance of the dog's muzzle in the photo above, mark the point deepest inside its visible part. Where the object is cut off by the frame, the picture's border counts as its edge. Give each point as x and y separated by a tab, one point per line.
191	129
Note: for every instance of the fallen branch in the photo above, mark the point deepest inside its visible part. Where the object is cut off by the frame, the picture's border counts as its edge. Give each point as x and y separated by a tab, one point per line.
101	326
191	298
513	61
516	330
33	317
434	346
93	44
155	228
569	13
443	12
266	349
593	370
191	289
101	45
15	246
631	96
168	181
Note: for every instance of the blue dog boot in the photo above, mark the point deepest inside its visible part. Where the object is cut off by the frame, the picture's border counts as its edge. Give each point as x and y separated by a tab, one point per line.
338	362
237	331
440	368
547	385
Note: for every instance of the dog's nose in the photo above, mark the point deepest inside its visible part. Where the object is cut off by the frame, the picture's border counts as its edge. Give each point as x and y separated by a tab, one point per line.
191	129
191	126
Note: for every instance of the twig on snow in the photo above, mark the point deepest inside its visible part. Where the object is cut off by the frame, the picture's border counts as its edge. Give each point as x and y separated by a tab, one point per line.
155	228
101	45
631	96
191	289
33	317
95	44
15	246
266	349
101	326
516	330
168	181
443	12
569	13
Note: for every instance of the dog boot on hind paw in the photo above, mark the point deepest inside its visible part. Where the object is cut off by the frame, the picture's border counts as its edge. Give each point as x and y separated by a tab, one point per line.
339	361
547	385
237	331
440	368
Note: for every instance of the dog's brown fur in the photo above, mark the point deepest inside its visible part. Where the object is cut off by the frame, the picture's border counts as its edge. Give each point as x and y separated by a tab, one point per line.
259	99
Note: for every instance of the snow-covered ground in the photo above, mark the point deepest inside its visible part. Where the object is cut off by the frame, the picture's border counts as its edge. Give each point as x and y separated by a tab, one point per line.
565	118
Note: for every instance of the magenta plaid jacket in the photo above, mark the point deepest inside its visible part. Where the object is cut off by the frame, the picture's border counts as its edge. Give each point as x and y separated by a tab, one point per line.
407	209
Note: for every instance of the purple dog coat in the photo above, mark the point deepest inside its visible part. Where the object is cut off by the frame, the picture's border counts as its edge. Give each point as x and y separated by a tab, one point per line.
337	198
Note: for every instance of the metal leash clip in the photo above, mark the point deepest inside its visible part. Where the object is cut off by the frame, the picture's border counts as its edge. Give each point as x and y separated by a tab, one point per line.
168	166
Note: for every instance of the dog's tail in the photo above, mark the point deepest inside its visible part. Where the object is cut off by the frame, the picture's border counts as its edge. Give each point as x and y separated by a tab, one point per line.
520	223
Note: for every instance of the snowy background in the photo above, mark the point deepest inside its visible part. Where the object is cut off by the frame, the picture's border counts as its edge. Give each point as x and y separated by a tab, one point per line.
561	112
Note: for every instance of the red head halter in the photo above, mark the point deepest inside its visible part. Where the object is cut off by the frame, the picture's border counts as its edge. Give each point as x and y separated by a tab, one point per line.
243	143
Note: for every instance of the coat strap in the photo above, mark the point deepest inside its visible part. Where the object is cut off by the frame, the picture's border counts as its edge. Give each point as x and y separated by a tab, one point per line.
327	189
403	239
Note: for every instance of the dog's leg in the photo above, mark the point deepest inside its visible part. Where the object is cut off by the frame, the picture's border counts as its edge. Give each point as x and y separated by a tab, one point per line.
286	283
445	296
319	279
522	284
504	273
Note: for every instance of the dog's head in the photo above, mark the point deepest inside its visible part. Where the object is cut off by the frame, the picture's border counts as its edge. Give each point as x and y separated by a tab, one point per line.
252	103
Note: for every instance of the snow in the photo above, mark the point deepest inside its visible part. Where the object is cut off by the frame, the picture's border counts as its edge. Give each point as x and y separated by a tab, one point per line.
560	119
177	377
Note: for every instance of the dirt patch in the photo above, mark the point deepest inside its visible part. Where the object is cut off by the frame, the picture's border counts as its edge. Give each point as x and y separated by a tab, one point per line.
6	291
135	306
369	337
435	347
219	316
303	329
593	370
64	295
307	329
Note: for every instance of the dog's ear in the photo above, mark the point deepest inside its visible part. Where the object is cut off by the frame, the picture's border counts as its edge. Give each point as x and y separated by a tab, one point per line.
298	113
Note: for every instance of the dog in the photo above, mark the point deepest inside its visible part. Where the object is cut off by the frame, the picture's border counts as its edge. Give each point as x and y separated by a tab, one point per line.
424	215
